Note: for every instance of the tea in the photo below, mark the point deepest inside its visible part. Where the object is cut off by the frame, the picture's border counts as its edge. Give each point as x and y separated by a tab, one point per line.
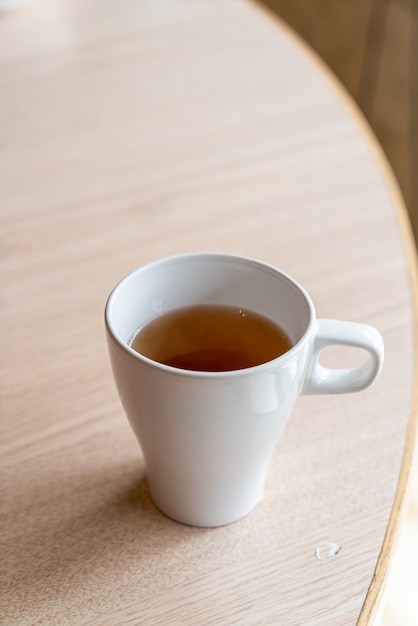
211	338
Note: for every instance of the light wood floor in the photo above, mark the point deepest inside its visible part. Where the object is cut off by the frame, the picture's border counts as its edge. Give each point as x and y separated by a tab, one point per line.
372	47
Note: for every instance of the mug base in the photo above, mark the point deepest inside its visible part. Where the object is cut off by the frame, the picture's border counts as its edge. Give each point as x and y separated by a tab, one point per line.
209	518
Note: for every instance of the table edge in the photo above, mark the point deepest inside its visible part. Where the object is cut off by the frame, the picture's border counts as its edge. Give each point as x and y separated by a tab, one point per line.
371	603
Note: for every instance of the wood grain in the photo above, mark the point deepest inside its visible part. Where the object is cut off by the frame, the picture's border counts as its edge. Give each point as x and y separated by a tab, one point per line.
371	45
131	131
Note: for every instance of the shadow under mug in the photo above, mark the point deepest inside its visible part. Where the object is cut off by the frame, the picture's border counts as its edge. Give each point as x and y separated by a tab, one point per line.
207	437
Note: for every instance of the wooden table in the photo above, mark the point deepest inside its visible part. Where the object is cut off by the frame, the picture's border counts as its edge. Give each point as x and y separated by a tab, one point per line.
133	130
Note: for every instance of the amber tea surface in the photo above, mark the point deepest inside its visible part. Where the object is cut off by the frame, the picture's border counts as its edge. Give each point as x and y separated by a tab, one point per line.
211	338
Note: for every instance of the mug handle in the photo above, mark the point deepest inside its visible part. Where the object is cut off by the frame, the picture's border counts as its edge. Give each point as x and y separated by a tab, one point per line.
324	380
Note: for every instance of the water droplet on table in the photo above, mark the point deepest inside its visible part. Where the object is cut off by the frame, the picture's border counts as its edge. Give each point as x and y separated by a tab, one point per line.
326	550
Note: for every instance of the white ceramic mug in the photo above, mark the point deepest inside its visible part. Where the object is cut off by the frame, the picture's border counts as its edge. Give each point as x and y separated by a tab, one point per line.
207	437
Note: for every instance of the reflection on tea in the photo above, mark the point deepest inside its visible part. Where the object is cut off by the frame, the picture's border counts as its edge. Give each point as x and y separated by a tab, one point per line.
211	338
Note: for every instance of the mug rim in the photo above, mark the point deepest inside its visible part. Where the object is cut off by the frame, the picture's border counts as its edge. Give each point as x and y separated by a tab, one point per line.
114	335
